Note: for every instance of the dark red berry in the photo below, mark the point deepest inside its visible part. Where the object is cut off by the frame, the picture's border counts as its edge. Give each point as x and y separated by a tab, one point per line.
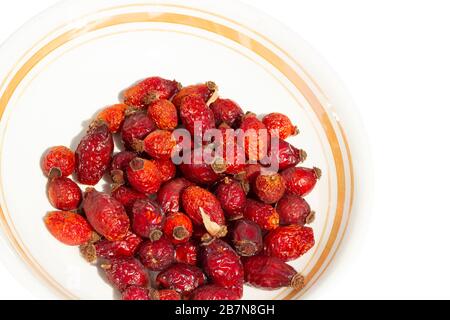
170	193
167	170
214	292
59	159
205	91
269	187
263	214
151	89
136	293
127	196
196	116
294	210
256	137
198	171
164	114
247	238
178	227
279	125
147	219
232	198
119	164
300	181
126	272
285	156
144	176
183	278
227	111
187	253
68	227
157	255
230	155
64	194
165	295
136	127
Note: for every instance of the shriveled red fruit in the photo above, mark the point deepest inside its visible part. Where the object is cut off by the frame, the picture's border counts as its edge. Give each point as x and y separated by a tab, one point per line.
252	171
136	293
227	111
64	194
167	169
289	242
263	214
187	253
127	196
149	90
286	156
59	159
170	193
143	175
222	264
183	278
230	156
204	209
270	273
106	215
256	137
113	116
147	219
126	272
301	181
279	125
294	210
214	292
165	295
164	114
119	164
178	227
196	116
136	127
105	249
199	172
157	255
232	198
68	227
269	187
93	155
247	238
205	91
159	144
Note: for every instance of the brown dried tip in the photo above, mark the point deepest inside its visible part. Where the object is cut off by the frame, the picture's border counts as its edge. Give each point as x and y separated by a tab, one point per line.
180	233
155	235
118	178
154	294
219	165
95	237
106	266
303	155
54	173
138	145
150	98
318	172
215	95
207	239
298	282
246	248
88	252
130	110
311	217
137	164
296	131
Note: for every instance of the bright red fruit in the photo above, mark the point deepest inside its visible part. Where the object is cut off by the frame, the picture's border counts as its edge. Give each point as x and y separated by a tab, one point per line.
256	137
106	215
164	114
204	91
294	210
59	159
187	253
271	273
127	196
157	255
227	111
289	242
143	175
262	214
93	155
159	144
136	293
196	116
126	272
147	219
68	227
232	198
170	193
300	181
64	194
285	156
167	169
230	156
119	164
113	116
214	292
136	127
178	227
247	238
149	90
165	295
199	171
279	125
181	277
269	187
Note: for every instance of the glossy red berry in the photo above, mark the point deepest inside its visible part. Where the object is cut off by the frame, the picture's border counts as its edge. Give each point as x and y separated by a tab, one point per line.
227	111
126	272
178	227
159	145
263	214
285	156
144	176
151	89
232	198
205	91
112	116
147	219
301	181
214	292
59	159
198	171
136	127
183	278
136	293
106	215
167	169
119	164
170	193
64	194
256	137
164	114
289	242
294	210
187	253
165	295
127	196
196	116
279	125
270	273
247	238
93	155
269	187
157	255
68	227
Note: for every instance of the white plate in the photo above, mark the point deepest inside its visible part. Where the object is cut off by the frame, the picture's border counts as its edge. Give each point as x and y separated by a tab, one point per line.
74	59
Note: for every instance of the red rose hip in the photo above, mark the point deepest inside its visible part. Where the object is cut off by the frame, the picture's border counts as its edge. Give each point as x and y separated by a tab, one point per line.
165	295
263	214
232	198
167	170
182	278
256	137
64	194
279	125
294	210
147	219
123	273
285	156
60	160
196	116
247	238
136	293
178	227
205	91
301	181
170	193
149	90
127	196
187	253
143	175
119	164
157	255
214	292
68	227
164	114
227	111
269	187
112	116
136	127
159	144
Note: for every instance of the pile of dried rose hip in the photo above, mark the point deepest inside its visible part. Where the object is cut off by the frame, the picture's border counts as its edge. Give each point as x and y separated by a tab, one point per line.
190	231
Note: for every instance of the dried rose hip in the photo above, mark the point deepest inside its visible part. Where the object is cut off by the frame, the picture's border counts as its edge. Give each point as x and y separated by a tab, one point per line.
126	272
136	293
222	264
64	194
106	215
247	238
232	198
187	253
157	255
300	181
149	90
60	160
286	156
164	114
113	116
199	171
178	227
279	125
127	196
93	155
204	209
230	156
196	116
214	292
294	210
143	175
227	111
252	171
269	187
159	144
147	219
165	295
289	242
167	169
136	127
68	227
169	194
271	273
204	91
263	214
183	278
256	137
119	164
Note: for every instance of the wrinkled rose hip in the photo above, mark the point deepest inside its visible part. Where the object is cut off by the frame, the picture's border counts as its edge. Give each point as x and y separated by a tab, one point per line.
68	227
182	278
147	219
126	272
119	164
143	175
204	91
113	116
167	170
64	194
136	293
294	210
279	125
169	196
149	90
269	187
227	111
178	227
199	172
164	114
158	145
247	238
301	181
157	255
214	292
136	127
263	214
232	198
165	294
286	156
196	116
127	196
187	253
60	160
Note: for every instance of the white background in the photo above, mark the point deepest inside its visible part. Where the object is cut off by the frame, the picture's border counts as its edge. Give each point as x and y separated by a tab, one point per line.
394	57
